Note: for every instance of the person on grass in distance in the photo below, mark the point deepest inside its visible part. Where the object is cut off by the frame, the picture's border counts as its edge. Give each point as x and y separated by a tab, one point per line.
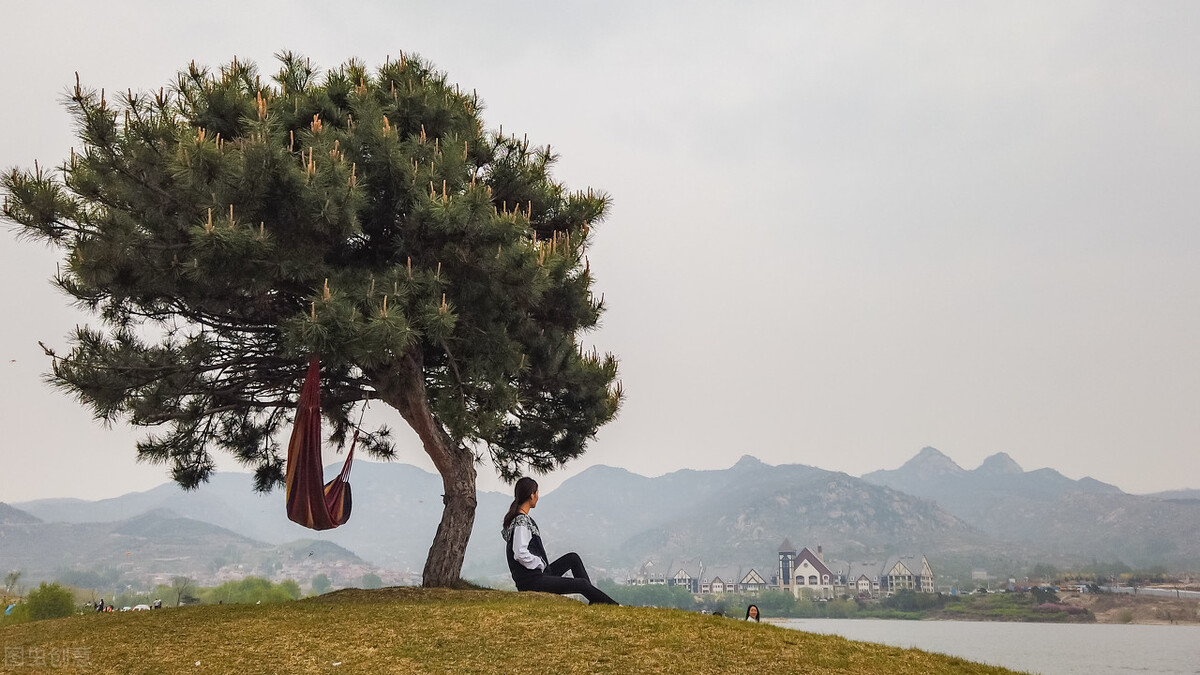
527	560
752	613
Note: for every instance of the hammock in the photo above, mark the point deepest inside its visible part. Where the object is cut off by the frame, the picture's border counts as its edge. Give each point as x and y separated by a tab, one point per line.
309	503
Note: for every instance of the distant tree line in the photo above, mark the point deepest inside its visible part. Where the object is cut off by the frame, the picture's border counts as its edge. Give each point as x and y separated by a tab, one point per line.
57	599
771	603
1102	573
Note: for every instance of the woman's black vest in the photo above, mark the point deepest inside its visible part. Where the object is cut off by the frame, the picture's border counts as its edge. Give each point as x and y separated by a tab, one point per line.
521	573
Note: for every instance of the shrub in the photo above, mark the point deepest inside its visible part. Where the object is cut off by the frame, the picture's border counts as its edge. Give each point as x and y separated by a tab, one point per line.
321	584
675	597
841	609
292	589
910	601
20	614
1043	595
775	602
251	590
50	601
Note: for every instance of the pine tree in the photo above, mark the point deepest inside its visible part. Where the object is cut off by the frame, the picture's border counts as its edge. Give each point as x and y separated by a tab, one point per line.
224	228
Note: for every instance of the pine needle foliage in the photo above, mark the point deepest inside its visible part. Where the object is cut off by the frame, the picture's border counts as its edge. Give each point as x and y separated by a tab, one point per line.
225	227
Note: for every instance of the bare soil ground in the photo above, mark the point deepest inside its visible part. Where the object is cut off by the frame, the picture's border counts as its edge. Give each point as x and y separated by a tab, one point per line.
1141	609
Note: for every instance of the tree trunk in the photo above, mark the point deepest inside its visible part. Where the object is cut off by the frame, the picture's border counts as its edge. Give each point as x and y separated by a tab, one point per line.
404	389
443	565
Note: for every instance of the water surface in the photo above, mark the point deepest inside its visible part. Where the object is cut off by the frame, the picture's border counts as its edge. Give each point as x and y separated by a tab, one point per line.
1045	648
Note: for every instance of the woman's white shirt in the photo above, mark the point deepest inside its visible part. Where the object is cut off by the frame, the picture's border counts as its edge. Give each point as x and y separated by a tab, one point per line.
522	535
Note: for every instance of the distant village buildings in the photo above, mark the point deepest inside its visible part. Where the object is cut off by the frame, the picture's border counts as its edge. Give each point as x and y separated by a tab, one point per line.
706	581
803	573
805	570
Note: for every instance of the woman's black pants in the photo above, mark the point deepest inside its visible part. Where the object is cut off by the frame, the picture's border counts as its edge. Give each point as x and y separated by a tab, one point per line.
553	581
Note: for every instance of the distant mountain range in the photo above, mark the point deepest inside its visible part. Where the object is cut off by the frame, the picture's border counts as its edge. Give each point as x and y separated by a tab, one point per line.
739	515
396	511
151	546
1048	514
11	516
997	514
1177	495
933	475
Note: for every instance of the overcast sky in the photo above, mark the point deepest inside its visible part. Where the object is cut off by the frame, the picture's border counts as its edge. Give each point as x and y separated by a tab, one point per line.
841	231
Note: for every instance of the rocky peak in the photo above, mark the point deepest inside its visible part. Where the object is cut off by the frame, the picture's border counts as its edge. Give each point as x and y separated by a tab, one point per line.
1000	463
748	462
930	462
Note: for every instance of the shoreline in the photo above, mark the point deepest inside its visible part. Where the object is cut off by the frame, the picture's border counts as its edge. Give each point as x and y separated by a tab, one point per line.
1104	608
1145	610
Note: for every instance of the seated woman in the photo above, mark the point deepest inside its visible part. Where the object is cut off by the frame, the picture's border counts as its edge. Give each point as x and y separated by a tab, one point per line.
527	561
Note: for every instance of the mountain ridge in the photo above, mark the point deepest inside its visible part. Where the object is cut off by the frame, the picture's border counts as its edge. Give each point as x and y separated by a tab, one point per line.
617	519
153	545
11	515
1058	518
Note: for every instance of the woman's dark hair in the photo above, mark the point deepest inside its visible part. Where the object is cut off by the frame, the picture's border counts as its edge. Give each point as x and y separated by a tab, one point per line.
757	615
522	491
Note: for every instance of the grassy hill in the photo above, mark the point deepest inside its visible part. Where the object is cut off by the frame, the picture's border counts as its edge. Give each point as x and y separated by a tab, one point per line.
434	630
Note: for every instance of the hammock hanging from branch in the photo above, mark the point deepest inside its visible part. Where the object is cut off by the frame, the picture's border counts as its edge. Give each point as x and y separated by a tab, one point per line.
310	501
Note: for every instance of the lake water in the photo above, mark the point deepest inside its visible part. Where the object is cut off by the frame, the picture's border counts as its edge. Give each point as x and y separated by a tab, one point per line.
1045	648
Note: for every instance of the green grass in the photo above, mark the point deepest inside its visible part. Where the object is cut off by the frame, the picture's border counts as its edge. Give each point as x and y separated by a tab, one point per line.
1006	607
413	630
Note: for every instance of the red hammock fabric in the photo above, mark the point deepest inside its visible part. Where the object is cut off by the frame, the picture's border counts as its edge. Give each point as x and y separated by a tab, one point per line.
309	503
